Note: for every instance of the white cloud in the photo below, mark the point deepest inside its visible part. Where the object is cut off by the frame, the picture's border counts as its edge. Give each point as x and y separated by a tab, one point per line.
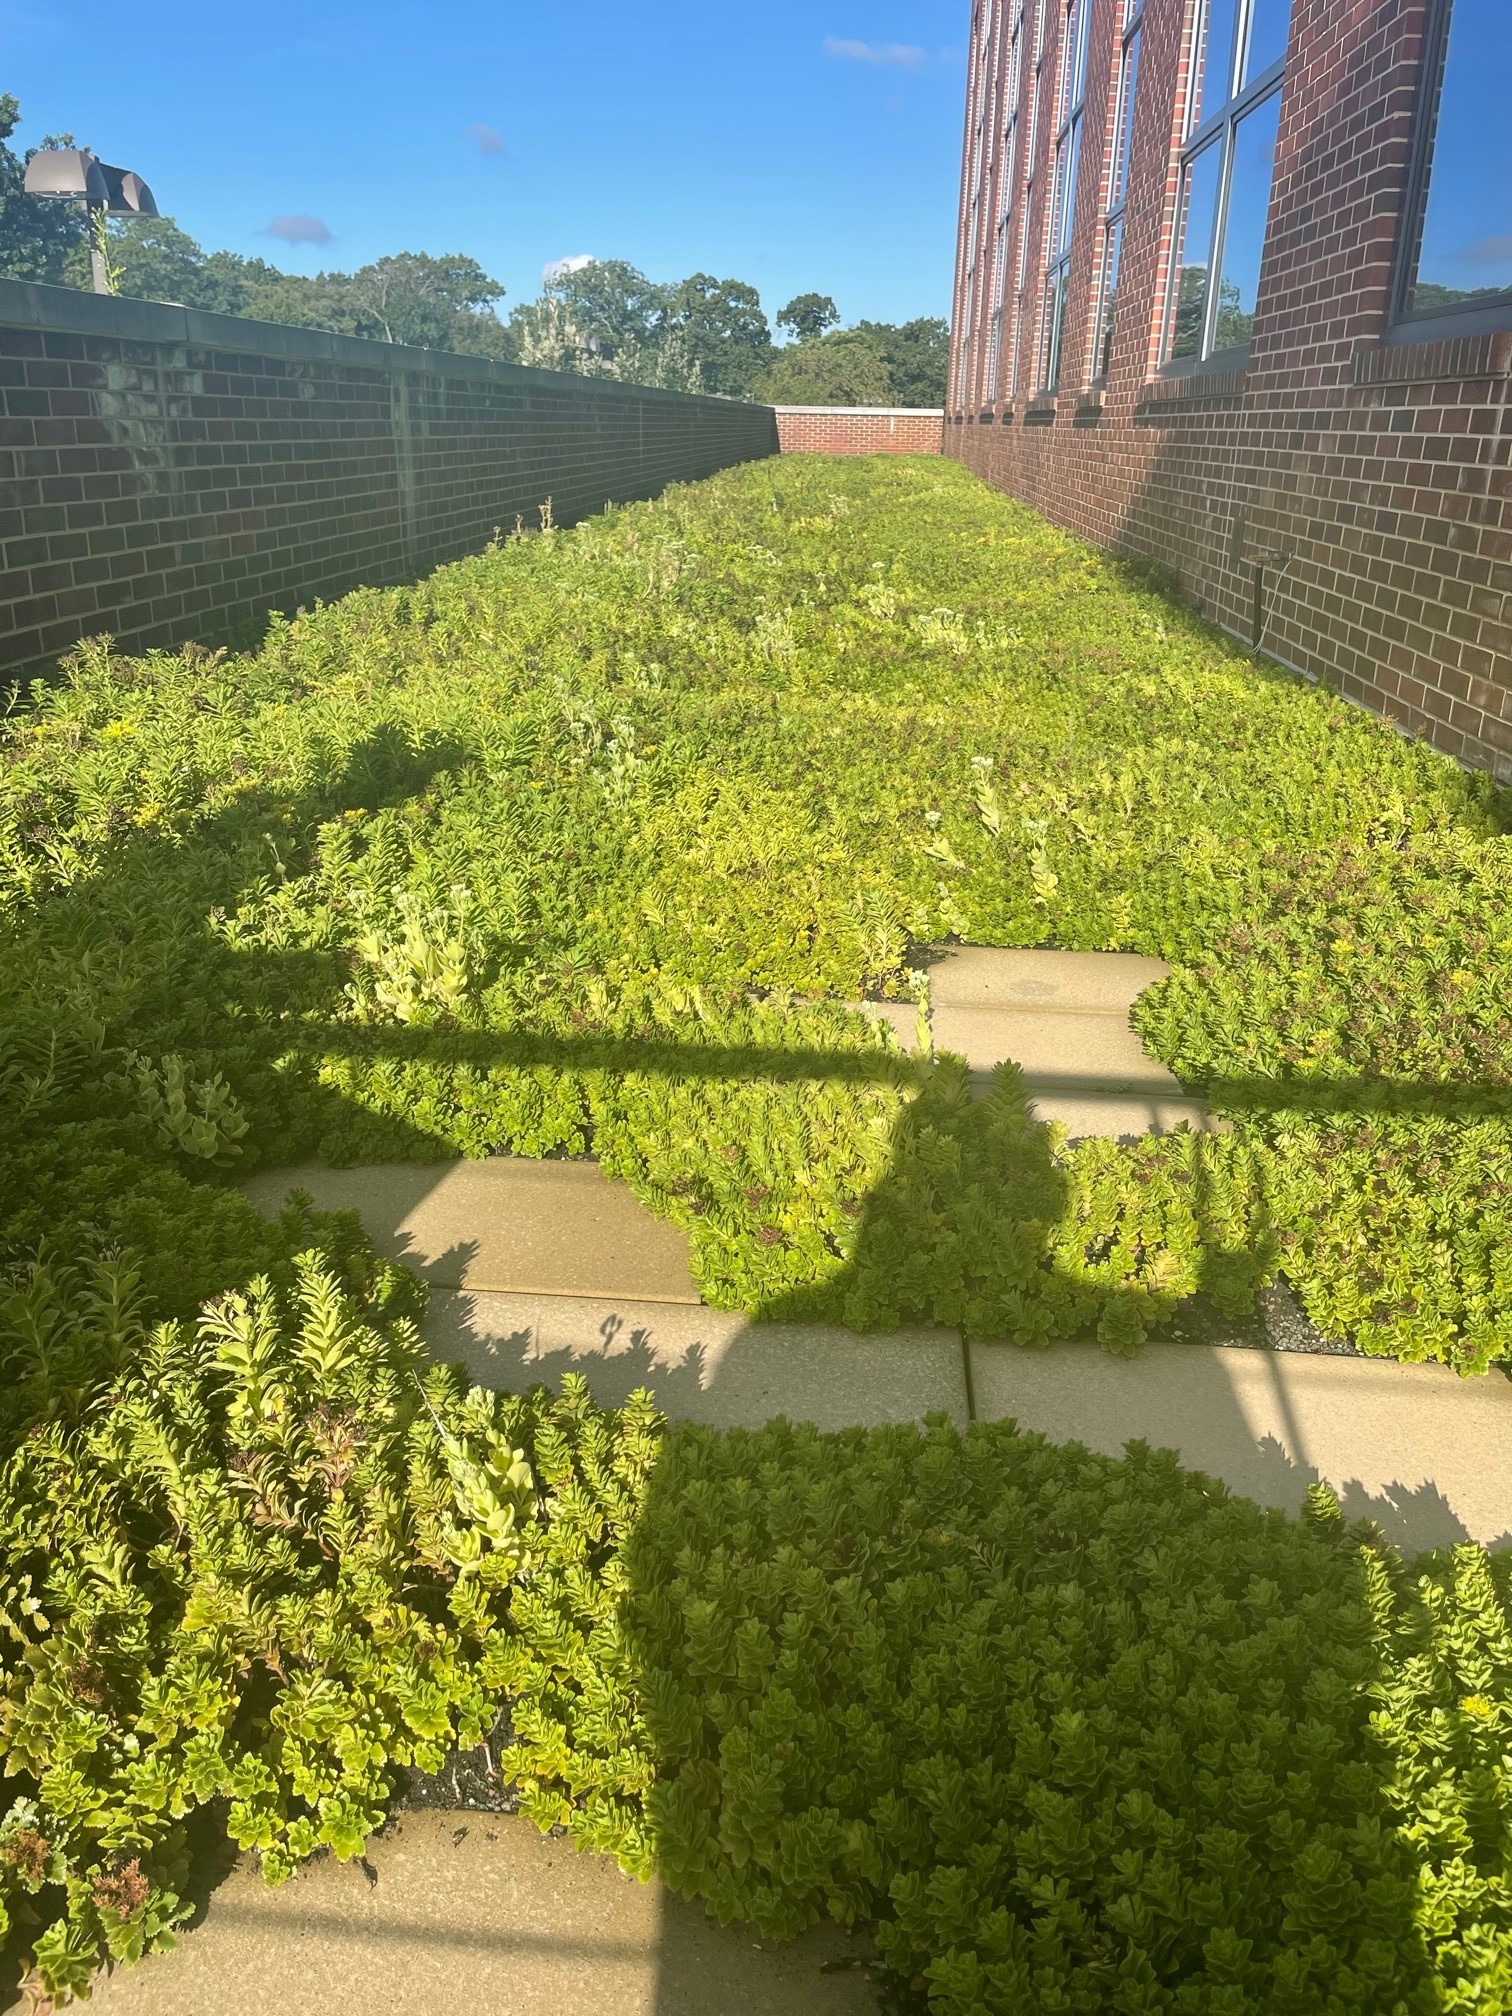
896	55
558	269
300	230
489	139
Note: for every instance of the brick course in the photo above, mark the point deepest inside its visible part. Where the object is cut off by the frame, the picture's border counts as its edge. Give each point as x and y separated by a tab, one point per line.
168	475
859	430
1367	473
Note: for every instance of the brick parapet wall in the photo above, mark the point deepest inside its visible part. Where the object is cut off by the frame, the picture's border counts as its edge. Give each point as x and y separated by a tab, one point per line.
859	430
1367	472
167	474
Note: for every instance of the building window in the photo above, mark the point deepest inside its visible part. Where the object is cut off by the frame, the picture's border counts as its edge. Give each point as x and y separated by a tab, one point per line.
1031	147
1007	207
1118	185
991	117
1065	160
1226	169
1461	242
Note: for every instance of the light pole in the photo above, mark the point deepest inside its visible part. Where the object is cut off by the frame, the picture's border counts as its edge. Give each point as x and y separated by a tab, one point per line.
73	175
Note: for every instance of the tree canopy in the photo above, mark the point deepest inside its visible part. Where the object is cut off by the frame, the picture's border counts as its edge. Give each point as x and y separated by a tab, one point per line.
843	368
808	316
604	318
36	238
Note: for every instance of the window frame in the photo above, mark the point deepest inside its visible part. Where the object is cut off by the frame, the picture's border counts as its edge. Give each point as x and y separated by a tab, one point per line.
978	388
1406	324
1064	173
1008	210
1127	56
1218	129
1021	282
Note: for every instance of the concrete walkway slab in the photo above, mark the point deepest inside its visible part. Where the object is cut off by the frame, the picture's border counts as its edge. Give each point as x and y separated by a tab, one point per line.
989	976
1119	1116
461	1912
541	1228
703	1365
1059	1051
1063	1018
1425	1453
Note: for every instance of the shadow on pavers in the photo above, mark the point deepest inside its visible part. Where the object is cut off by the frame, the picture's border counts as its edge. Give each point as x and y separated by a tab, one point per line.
464	1910
1424	1454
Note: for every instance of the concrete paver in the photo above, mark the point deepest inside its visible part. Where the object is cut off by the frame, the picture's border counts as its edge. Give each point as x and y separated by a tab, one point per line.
544	1228
468	1911
989	976
703	1364
1425	1453
1122	1116
1072	1052
1063	1018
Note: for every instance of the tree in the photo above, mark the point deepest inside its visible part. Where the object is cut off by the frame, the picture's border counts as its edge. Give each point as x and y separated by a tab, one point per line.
547	337
918	357
152	259
36	236
724	330
807	316
410	297
613	304
844	368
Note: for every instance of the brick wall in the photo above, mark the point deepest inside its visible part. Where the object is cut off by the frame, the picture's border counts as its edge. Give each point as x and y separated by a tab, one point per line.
859	430
1368	474
166	474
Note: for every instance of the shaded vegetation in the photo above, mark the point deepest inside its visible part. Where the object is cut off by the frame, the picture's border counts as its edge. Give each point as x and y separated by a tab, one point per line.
1076	1733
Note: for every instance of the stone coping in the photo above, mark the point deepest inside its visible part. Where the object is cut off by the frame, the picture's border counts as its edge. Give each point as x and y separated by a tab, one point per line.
29	304
870	412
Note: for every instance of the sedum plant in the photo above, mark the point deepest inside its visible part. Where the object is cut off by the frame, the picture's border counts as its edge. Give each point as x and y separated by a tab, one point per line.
260	1569
200	1119
580	844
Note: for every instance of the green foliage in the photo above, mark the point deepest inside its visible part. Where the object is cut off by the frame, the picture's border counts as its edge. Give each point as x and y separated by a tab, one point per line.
583	843
261	1567
37	238
918	357
721	324
807	316
1076	1732
1081	1733
844	368
872	364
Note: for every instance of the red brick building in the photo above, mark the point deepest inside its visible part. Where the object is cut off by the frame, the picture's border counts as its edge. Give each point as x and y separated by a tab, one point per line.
1234	290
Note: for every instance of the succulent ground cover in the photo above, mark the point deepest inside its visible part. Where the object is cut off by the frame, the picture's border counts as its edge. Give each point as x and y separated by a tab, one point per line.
1074	1733
581	846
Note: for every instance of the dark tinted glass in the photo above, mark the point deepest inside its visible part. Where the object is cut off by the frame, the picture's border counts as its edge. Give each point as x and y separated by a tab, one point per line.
1110	298
1120	178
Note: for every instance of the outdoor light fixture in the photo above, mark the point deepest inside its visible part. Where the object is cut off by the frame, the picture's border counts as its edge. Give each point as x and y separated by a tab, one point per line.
73	175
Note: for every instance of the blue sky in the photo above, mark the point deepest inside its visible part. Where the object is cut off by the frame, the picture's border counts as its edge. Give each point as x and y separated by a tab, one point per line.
793	144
